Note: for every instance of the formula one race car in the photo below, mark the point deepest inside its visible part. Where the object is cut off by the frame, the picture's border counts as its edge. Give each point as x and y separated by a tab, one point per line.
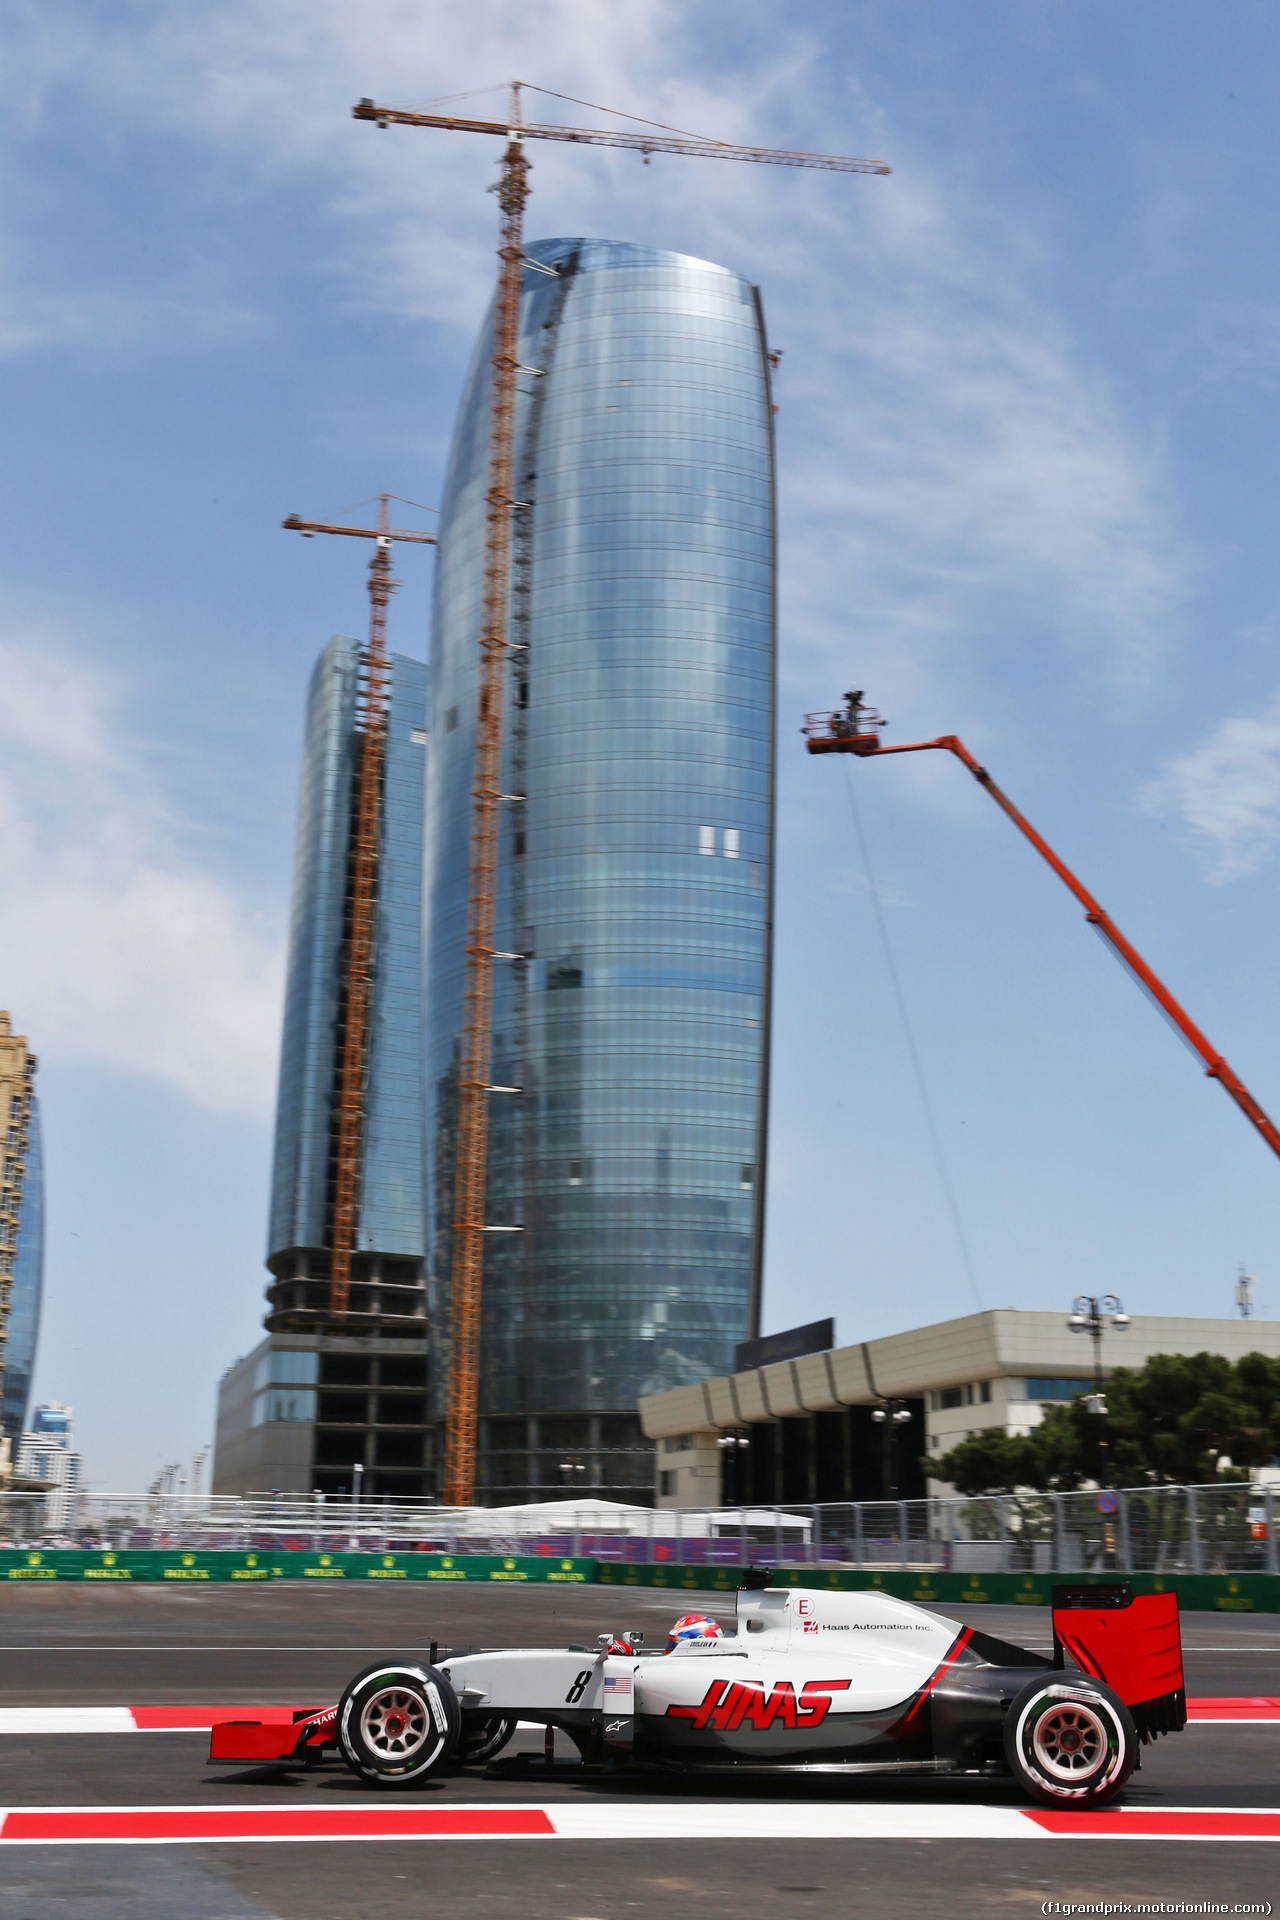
854	1683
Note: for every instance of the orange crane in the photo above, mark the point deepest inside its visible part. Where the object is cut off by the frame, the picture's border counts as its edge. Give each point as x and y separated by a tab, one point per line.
371	730
856	729
473	1112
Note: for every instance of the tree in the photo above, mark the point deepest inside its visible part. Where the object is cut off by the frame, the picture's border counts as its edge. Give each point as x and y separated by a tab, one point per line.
1173	1422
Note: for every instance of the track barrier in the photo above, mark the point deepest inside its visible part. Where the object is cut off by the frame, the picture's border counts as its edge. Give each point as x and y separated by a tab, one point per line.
1197	1593
59	1564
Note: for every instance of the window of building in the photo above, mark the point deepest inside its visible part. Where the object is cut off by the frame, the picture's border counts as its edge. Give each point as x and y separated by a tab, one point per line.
679	1443
418	736
350	1409
575	1173
401	1371
451	720
517	843
398	1450
1049	1388
338	1449
984	1392
746	1176
284	1404
666	1484
402	1410
706	839
731	843
951	1397
294	1368
345	1370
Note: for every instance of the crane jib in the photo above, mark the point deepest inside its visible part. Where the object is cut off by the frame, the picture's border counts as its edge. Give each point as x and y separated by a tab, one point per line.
685	144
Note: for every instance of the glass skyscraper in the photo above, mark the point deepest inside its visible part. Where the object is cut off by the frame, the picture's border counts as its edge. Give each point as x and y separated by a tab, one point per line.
21	1225
322	1395
28	1286
636	861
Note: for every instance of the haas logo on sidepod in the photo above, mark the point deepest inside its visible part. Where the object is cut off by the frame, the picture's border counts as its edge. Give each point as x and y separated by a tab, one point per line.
804	1607
727	1706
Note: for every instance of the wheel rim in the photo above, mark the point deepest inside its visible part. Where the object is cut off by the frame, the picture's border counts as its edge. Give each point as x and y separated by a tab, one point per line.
395	1724
1070	1741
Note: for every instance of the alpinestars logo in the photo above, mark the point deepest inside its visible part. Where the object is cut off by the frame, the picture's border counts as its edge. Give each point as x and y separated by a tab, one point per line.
726	1706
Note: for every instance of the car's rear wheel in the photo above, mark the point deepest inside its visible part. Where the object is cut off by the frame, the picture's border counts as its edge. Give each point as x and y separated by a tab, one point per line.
397	1724
483	1738
1071	1743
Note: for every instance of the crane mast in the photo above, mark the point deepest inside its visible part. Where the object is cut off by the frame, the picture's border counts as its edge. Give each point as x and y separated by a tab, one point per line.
372	695
856	730
471	1152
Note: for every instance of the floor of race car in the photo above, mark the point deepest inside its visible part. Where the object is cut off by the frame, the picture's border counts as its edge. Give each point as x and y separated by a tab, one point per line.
554	1842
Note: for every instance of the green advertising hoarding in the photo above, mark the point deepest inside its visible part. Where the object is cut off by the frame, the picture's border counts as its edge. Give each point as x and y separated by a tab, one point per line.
41	1564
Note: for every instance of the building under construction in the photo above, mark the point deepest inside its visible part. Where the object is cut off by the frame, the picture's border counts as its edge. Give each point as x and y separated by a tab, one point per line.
623	1204
21	1226
340	1382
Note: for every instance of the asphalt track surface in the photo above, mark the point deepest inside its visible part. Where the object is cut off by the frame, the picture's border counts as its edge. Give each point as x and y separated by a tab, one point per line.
864	1848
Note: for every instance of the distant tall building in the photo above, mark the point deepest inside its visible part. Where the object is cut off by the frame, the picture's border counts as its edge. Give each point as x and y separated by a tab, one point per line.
320	1395
21	1227
635	866
46	1452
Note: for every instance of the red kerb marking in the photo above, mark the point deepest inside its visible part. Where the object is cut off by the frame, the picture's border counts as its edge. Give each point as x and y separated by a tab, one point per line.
1154	1824
1248	1707
270	1823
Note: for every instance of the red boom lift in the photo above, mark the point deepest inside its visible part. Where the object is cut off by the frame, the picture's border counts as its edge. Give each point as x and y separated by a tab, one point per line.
856	729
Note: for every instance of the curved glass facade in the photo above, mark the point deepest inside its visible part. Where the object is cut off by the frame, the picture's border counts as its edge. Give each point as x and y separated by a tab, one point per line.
28	1286
636	861
390	1212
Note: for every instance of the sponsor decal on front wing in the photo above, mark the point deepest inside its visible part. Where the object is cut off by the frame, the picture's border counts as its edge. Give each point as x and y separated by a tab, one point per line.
728	1705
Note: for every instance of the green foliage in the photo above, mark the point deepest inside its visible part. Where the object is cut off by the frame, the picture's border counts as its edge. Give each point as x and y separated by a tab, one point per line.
1170	1422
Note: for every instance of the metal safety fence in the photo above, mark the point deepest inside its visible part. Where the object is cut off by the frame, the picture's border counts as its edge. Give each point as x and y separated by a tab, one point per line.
1222	1528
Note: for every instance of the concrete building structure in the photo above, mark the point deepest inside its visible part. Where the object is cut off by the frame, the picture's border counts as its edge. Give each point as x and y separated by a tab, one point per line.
323	1394
47	1457
808	1421
635	870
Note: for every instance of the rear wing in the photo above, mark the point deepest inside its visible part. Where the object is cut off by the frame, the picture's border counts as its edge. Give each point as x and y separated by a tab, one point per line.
1130	1641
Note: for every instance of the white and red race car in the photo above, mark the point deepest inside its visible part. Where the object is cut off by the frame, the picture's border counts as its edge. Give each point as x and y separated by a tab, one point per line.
855	1683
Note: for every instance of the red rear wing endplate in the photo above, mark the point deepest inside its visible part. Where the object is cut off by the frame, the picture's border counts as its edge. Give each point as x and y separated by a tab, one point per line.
1132	1642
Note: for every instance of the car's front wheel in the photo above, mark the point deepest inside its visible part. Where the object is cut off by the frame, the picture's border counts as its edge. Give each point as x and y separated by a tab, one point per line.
1070	1742
398	1724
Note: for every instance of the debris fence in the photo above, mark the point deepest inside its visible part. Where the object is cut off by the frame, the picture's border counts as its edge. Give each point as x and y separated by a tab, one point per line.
1155	1529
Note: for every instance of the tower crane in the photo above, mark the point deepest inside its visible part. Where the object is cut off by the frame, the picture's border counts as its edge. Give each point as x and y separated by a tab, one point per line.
473	1091
371	728
856	729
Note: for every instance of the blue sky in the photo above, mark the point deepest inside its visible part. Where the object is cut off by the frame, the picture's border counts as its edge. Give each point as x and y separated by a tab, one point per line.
1030	394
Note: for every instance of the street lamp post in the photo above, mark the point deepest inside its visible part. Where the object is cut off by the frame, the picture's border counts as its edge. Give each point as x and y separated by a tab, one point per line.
1089	1314
891	1414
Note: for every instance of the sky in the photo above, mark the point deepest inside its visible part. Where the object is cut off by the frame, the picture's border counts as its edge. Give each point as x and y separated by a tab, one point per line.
1029	433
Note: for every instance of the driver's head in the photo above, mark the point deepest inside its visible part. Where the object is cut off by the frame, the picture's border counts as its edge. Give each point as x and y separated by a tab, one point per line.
694	1626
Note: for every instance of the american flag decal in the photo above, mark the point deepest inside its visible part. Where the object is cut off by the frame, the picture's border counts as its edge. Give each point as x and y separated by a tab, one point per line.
617	1683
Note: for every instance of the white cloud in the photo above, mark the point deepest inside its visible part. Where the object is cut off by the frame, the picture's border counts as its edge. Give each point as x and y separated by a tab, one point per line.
952	464
116	948
1226	792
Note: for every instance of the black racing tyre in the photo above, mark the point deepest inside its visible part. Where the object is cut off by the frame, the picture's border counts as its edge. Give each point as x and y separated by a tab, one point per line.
483	1738
1070	1741
397	1723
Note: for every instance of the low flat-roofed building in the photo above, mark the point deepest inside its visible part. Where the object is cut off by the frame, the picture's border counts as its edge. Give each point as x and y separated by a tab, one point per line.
808	1422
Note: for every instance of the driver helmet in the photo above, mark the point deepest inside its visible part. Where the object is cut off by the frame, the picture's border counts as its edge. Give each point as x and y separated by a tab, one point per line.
694	1626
